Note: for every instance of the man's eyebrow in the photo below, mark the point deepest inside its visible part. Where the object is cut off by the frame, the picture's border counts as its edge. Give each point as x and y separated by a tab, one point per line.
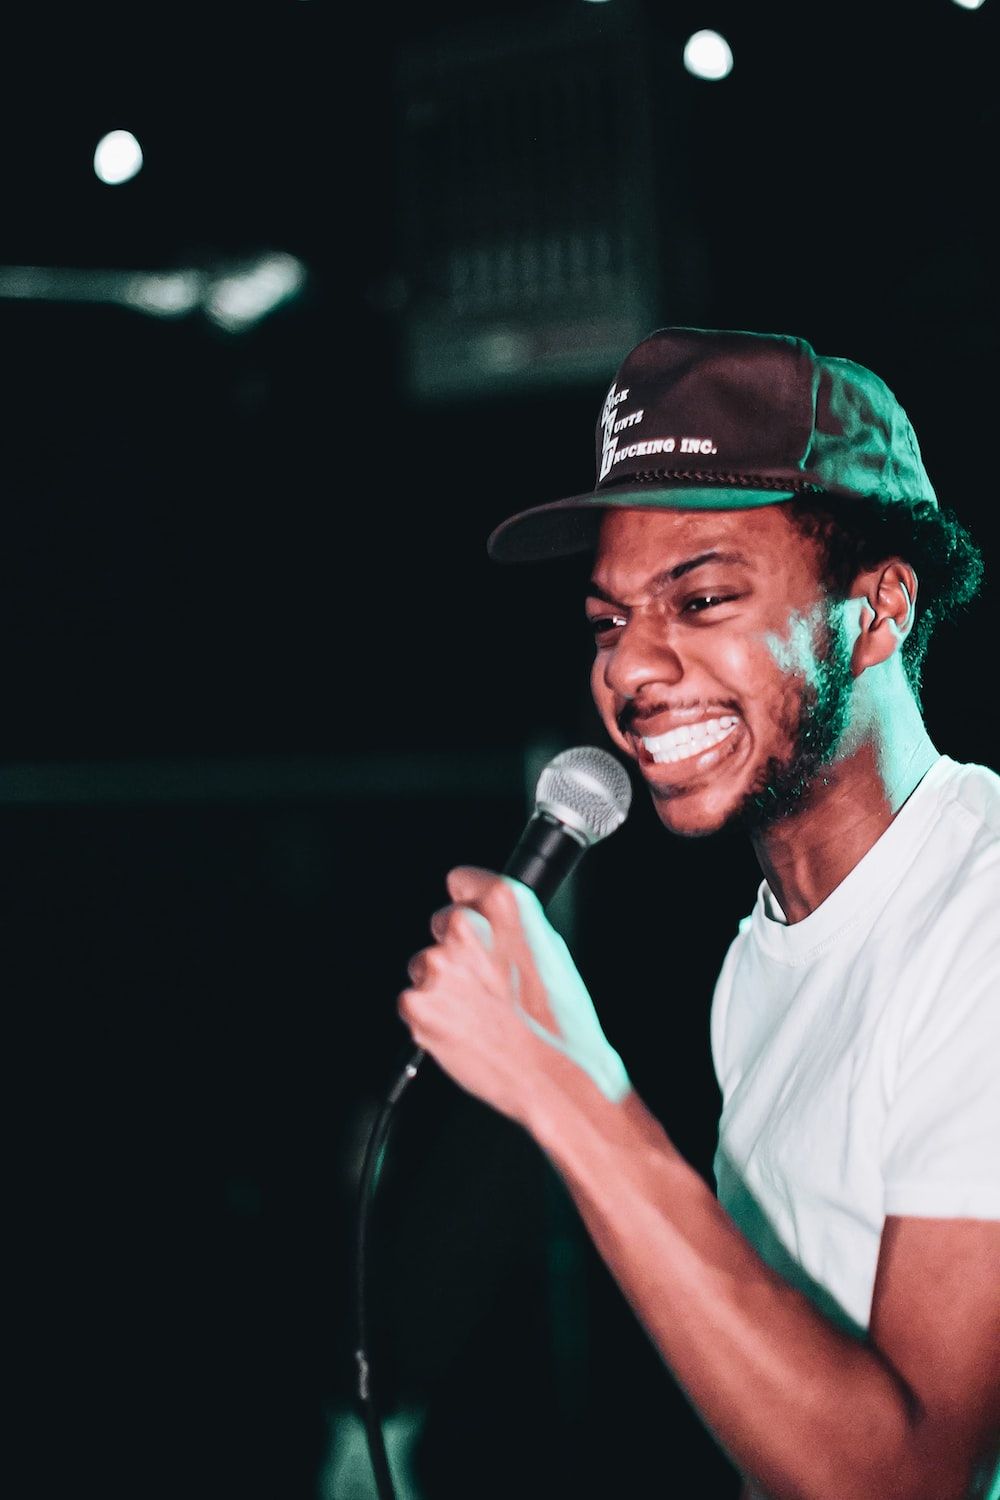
670	575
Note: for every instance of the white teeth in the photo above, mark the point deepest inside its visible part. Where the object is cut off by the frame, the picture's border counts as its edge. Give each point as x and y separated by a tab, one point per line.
689	739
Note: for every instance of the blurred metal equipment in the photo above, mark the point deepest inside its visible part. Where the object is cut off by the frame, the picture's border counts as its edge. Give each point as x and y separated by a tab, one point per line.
234	296
527	217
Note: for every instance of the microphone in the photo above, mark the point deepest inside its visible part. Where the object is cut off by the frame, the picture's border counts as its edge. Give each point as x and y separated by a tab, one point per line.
582	795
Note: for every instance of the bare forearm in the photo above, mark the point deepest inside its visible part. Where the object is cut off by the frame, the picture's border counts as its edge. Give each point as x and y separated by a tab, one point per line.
802	1408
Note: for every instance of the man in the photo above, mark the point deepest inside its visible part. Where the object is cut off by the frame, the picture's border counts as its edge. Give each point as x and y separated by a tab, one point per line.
761	522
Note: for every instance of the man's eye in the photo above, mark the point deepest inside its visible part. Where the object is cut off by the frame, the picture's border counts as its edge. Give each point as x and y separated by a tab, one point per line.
700	602
604	625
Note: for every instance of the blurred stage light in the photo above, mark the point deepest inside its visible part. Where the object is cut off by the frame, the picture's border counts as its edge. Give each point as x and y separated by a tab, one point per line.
233	296
708	55
970	4
118	157
248	293
166	294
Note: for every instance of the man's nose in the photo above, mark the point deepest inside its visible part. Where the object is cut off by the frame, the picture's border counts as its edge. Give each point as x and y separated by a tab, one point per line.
644	653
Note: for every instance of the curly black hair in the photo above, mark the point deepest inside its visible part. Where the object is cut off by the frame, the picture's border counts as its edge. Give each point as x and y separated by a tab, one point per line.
855	535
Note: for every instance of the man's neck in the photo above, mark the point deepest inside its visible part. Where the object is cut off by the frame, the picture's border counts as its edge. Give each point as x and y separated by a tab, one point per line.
852	802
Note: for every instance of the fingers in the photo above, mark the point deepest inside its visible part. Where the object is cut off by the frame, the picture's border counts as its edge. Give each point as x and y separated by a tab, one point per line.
463	936
431	965
465	944
472	886
465	882
495	897
457	969
461	925
417	1006
533	954
417	968
446	923
411	1006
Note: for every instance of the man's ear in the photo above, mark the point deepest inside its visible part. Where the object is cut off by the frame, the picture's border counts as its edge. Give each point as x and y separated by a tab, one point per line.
888	595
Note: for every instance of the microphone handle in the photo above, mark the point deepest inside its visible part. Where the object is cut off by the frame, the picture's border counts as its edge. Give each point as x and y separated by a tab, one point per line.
545	854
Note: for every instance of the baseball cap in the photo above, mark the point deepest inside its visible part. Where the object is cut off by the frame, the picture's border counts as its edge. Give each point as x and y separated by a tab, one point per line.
722	419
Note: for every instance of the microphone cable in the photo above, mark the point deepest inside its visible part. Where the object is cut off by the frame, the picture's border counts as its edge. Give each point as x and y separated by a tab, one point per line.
374	1154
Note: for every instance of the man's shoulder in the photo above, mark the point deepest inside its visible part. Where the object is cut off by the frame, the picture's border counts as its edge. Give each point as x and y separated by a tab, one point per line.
956	880
969	797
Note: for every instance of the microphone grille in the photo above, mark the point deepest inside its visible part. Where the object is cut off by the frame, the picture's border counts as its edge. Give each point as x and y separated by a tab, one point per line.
587	789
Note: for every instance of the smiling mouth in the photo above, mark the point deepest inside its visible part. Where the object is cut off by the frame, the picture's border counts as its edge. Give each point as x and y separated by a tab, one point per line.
687	761
687	742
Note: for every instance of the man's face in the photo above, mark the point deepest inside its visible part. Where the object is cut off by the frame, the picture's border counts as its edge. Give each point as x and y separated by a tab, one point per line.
721	666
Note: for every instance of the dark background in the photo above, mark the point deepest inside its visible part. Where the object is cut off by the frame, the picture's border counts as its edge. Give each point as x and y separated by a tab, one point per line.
261	686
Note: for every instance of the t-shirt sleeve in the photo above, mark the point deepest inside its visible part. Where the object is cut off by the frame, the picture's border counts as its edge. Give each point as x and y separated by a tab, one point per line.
941	1147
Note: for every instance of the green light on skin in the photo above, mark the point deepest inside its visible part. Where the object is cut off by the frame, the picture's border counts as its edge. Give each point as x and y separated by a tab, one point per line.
796	651
578	1034
877	708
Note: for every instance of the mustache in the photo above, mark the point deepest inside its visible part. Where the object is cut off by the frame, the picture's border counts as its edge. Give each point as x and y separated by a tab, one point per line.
632	715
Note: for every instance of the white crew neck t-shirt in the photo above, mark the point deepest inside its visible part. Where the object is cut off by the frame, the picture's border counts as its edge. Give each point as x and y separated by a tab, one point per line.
858	1051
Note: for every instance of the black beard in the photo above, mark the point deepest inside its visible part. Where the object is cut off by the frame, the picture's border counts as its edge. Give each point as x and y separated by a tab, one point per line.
815	731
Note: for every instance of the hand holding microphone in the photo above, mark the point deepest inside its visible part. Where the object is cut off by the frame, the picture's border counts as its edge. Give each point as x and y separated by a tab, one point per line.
498	992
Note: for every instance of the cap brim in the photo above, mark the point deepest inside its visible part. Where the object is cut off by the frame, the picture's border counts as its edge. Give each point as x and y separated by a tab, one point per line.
564	527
